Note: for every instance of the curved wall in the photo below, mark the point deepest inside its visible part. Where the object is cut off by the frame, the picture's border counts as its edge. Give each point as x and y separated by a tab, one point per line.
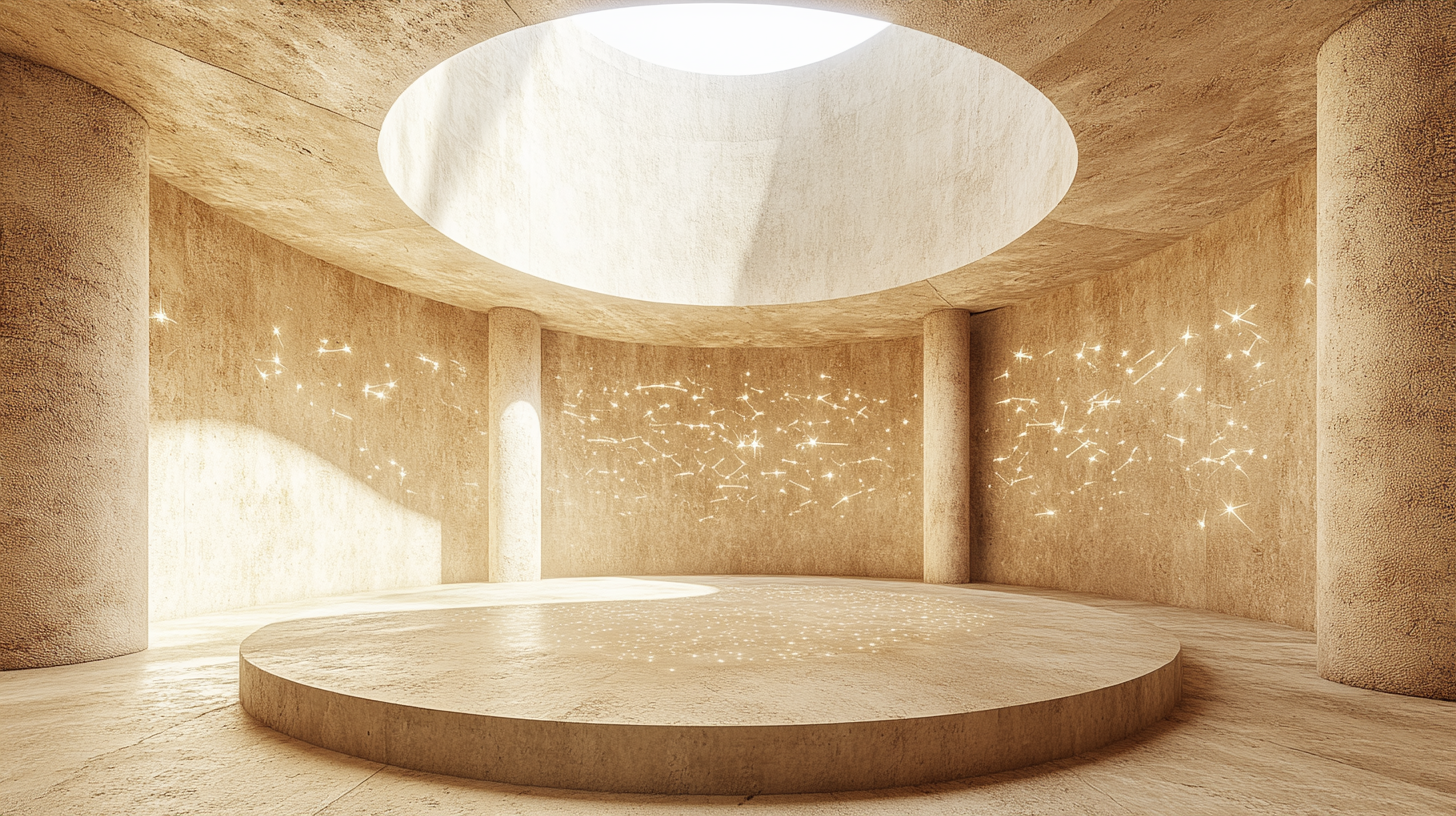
242	517
313	432
73	371
1132	438
614	497
693	461
552	153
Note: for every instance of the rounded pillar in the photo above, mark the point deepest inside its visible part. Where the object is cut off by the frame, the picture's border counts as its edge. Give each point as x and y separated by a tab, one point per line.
1386	599
947	429
73	371
514	436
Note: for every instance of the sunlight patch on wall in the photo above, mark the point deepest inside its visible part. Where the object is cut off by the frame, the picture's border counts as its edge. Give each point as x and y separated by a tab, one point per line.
240	517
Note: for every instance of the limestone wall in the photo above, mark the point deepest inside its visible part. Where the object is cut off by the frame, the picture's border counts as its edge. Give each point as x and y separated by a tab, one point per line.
666	460
312	432
1181	471
1150	433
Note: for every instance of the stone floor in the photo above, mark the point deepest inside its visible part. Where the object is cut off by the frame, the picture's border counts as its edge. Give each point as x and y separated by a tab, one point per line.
1258	732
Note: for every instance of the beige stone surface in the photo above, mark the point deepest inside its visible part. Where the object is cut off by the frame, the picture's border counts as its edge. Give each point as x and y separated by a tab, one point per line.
73	371
673	461
553	153
285	466
1387	348
1150	434
514	400
947	448
1258	731
752	686
1183	112
240	516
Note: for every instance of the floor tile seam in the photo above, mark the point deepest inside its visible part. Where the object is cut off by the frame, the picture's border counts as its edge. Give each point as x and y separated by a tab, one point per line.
1225	731
1076	772
1317	755
80	767
380	766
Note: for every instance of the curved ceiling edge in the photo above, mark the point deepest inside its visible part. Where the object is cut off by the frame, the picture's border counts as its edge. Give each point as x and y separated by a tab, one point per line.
550	153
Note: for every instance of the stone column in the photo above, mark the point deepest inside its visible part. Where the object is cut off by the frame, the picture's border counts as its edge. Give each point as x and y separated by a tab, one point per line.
1386	499
514	436
947	429
73	371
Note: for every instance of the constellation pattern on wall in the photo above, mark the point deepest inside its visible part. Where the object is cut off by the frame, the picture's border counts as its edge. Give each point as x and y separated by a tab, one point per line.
362	401
771	445
1119	417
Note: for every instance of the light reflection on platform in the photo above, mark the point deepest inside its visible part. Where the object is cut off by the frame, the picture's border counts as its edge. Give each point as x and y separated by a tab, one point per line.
722	650
741	625
767	685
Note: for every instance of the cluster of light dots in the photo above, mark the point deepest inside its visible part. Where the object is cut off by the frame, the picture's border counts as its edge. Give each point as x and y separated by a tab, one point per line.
1121	419
322	379
742	625
768	446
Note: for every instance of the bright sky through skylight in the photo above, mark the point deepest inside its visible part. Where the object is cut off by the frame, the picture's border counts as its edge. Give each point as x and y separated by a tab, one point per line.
729	38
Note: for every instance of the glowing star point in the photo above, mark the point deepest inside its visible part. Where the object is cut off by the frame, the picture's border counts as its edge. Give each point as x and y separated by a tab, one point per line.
1230	509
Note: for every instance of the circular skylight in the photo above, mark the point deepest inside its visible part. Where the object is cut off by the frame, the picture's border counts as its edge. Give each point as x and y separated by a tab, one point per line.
553	153
732	39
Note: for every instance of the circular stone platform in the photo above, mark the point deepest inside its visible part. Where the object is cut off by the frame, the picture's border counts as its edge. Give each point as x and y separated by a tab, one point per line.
749	685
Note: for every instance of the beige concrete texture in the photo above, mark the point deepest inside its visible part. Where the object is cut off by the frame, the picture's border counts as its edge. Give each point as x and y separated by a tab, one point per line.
312	432
550	152
1257	732
947	447
662	460
1183	112
1387	349
73	371
514	399
750	686
1150	434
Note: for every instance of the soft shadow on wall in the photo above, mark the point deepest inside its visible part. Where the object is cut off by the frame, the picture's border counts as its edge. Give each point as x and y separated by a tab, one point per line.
313	432
229	500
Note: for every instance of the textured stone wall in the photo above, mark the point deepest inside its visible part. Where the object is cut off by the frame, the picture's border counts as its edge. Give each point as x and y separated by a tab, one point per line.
1150	434
667	460
1387	350
313	432
73	371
